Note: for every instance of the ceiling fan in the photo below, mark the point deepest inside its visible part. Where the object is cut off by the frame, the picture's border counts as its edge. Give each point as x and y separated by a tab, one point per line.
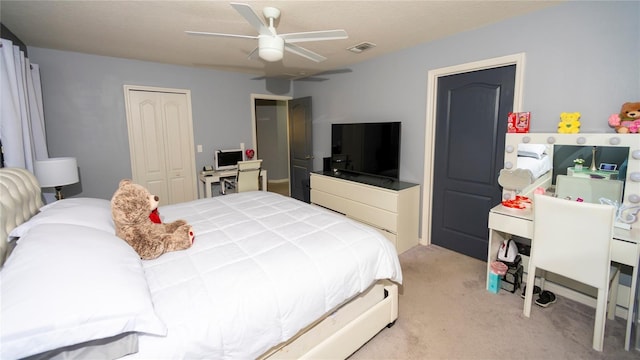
271	45
304	76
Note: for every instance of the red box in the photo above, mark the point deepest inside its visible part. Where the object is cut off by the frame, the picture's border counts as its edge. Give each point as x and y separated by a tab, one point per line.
519	122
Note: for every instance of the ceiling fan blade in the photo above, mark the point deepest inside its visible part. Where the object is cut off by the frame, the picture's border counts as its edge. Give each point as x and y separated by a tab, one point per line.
220	34
315	36
335	71
253	54
304	52
317	76
252	18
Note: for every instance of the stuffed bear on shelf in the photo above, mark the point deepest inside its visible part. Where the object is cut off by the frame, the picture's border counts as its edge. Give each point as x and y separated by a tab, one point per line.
134	211
628	120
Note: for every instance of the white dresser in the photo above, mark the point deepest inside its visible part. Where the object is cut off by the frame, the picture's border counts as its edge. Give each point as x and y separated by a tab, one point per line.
390	206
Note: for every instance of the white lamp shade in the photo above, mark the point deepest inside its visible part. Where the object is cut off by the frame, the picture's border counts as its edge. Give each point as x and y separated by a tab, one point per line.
56	171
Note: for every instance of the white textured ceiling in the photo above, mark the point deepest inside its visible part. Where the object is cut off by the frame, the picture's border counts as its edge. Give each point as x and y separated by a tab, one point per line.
154	30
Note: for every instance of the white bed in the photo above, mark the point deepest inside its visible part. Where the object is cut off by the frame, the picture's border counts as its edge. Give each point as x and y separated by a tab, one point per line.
267	277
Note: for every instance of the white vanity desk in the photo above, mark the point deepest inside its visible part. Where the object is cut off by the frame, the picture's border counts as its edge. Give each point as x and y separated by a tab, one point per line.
625	246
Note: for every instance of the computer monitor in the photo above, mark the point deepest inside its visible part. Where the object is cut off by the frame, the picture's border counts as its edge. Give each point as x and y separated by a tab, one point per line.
227	159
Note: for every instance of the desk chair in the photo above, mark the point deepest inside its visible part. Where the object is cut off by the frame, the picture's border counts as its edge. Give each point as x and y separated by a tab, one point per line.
247	177
573	239
590	190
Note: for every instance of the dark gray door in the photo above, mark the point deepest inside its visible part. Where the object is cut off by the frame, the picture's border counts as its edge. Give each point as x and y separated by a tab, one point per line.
471	123
301	147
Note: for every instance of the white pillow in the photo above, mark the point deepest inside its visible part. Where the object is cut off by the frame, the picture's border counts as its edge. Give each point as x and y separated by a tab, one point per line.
67	284
532	150
95	213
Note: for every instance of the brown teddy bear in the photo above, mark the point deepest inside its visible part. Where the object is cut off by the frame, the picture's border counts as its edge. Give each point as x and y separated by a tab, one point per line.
131	206
628	120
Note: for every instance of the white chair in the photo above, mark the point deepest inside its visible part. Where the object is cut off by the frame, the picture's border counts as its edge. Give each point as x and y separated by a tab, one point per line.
590	190
247	177
573	239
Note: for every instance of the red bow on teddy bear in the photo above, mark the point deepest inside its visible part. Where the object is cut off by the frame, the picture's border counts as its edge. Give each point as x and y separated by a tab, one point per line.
155	216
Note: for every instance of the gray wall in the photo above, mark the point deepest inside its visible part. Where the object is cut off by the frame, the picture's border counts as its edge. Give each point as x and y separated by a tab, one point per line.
580	56
83	99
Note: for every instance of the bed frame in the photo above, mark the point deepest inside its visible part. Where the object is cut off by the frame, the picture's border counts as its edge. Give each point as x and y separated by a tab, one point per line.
337	335
20	199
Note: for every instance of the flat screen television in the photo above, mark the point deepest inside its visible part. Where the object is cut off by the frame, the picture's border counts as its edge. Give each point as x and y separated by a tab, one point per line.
367	148
227	159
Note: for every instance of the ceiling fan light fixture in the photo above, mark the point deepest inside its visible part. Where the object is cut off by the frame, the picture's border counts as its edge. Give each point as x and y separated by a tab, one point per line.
270	48
271	45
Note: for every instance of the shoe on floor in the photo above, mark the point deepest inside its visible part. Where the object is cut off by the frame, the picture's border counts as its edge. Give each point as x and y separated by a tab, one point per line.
536	290
546	298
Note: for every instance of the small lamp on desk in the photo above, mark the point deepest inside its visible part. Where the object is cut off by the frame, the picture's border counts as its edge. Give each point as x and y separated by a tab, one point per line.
56	172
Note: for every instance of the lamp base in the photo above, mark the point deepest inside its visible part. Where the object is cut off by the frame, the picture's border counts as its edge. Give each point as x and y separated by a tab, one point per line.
593	160
59	195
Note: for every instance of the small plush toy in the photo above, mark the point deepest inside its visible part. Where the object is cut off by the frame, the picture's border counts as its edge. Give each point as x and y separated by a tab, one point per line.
132	207
628	120
569	123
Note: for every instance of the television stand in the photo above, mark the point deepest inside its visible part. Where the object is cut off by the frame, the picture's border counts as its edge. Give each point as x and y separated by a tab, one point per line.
389	205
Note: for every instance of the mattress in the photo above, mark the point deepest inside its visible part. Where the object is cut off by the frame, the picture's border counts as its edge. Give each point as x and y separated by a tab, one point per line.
262	267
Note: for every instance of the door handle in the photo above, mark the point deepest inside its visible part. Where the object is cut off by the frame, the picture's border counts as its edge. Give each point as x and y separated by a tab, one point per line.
308	157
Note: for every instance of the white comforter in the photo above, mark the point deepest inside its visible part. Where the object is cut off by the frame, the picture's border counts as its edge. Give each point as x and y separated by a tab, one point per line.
262	267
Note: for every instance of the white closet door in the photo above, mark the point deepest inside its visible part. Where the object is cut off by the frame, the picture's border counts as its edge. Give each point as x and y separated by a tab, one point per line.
161	143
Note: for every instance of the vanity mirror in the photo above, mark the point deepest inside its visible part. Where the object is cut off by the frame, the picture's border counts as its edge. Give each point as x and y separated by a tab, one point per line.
622	150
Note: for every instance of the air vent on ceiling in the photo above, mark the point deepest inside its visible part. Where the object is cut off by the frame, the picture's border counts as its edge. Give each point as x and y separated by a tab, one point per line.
361	47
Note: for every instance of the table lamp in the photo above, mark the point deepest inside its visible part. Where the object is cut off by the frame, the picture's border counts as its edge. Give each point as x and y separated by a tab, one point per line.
56	172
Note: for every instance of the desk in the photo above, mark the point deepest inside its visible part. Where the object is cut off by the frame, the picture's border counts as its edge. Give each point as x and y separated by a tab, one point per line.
597	174
625	247
206	181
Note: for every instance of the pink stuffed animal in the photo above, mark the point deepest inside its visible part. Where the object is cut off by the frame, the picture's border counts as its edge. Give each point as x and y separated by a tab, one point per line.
628	120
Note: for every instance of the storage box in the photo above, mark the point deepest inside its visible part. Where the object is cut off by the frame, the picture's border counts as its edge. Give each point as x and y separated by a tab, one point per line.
519	122
494	282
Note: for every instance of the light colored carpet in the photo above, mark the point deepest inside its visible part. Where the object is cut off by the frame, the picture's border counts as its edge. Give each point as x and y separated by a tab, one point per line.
445	312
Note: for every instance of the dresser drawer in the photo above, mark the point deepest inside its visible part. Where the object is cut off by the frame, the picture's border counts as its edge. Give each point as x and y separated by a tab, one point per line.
362	193
371	215
391	237
511	225
624	252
